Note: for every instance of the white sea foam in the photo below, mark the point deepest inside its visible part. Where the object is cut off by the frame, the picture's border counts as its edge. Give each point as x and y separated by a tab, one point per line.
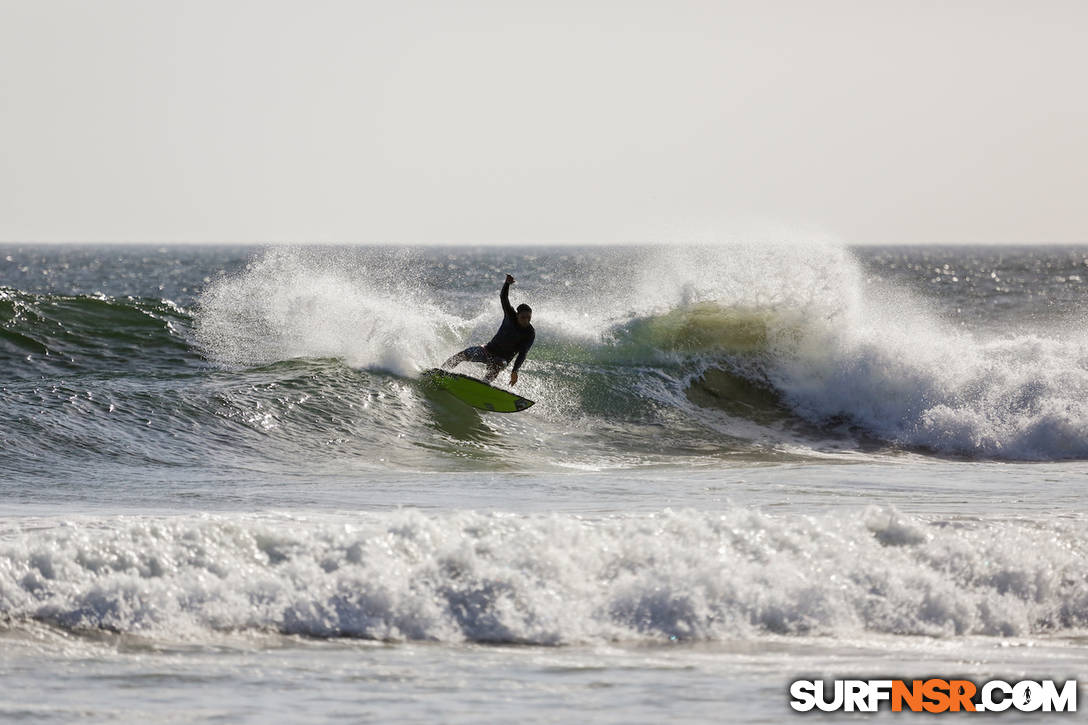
550	579
902	375
293	303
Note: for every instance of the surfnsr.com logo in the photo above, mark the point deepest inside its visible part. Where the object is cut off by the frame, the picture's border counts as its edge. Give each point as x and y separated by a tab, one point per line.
933	695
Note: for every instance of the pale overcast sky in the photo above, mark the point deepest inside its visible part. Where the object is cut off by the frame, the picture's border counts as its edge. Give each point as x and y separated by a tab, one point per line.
543	122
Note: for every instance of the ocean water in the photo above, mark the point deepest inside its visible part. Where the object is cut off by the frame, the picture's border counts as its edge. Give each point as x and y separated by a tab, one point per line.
226	496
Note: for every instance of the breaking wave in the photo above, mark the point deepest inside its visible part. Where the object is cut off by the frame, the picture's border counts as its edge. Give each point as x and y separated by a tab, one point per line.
706	345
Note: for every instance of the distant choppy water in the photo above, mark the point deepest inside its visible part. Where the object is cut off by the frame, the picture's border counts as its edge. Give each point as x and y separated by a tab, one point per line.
745	462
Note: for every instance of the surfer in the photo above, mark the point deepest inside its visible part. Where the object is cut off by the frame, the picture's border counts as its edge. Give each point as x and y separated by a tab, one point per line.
515	337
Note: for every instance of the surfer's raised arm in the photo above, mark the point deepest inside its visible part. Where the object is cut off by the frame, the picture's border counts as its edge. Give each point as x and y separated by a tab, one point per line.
504	298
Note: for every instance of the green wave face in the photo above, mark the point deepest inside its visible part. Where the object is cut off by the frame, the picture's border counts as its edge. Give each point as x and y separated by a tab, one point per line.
62	334
702	327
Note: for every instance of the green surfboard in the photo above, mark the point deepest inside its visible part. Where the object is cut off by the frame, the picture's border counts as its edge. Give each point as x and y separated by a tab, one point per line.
476	393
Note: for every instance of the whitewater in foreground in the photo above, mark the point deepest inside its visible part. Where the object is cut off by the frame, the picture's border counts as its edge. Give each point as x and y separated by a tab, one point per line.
228	496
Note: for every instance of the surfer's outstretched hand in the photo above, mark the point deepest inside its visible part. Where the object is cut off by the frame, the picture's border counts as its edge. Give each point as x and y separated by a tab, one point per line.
514	377
509	279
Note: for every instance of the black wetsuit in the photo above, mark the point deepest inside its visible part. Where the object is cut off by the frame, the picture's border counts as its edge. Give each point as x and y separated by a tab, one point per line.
511	339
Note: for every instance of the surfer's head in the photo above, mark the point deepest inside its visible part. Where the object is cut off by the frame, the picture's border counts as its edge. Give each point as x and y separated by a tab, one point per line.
525	315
